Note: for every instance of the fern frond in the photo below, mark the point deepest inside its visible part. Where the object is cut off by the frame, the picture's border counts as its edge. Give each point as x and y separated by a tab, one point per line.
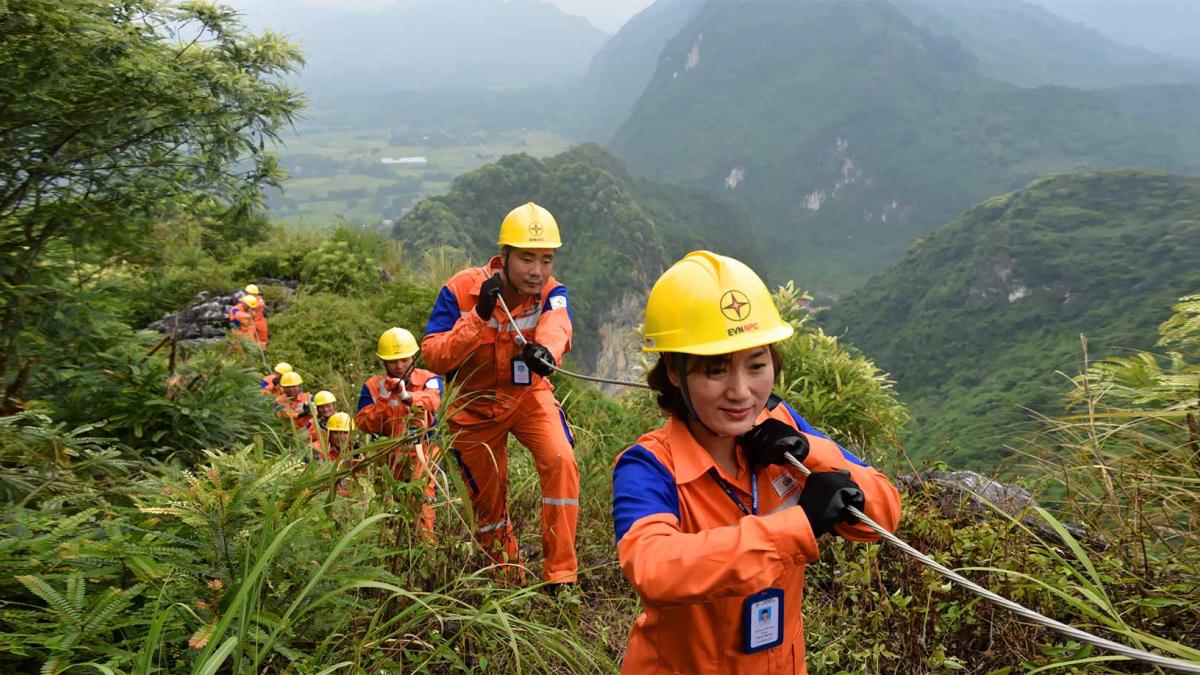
53	598
116	600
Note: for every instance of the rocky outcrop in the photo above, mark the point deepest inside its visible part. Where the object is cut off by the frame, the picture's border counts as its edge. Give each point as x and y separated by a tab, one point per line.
206	318
620	353
965	494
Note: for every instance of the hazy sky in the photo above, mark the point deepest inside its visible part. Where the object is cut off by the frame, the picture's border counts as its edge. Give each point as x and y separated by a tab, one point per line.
608	15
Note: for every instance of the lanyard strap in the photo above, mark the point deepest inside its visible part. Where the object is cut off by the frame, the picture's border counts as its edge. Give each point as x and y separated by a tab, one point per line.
733	495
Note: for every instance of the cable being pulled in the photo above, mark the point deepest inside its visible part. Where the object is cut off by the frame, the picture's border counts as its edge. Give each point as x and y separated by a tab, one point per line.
521	341
1071	631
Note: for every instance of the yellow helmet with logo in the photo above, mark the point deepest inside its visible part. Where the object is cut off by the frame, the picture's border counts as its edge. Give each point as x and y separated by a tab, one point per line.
252	289
283	367
396	343
529	226
324	397
250	301
339	422
709	304
291	379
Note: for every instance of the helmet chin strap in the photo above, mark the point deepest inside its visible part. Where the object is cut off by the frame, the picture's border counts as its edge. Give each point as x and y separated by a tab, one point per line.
680	363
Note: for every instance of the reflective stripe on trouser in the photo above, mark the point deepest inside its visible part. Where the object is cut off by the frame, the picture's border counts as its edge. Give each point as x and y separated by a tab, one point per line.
483	460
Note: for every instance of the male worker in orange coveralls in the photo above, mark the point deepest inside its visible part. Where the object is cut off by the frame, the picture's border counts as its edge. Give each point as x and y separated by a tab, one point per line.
503	386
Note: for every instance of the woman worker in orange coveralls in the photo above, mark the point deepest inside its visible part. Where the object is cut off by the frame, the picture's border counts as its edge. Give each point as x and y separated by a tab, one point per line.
703	507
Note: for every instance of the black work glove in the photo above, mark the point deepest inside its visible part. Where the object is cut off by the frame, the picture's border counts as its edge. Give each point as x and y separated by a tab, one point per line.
489	290
538	358
825	498
769	442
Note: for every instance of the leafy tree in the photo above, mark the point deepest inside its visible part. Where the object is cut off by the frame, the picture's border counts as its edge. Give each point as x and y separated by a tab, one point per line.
110	113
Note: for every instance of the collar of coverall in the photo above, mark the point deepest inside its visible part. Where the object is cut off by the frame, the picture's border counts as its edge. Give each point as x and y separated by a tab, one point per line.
692	461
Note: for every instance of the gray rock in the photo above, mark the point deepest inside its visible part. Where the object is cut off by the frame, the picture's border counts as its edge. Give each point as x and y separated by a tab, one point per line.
206	318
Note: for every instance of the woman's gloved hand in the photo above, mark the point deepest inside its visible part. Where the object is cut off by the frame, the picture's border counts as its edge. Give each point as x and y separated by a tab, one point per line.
825	498
769	442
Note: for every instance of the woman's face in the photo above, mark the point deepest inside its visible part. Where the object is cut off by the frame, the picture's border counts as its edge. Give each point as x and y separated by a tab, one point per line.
729	396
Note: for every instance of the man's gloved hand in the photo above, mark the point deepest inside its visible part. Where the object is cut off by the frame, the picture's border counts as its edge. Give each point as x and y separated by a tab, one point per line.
825	498
538	358
489	291
769	442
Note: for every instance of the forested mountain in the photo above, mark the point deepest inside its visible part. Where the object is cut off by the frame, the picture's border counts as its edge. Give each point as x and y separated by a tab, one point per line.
843	130
622	68
619	233
430	44
979	315
1021	42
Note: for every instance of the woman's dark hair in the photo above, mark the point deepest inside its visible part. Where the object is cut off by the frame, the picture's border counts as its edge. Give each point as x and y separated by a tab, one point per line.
670	397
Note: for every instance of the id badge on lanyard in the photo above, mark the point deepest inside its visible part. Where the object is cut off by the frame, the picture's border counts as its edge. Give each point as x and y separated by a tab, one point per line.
521	375
762	621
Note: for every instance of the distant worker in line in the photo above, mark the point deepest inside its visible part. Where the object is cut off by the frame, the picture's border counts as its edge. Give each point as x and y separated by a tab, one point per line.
339	446
294	404
241	319
504	387
269	384
324	406
401	403
259	314
714	526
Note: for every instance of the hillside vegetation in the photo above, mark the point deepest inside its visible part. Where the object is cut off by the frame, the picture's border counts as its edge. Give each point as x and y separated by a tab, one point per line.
979	316
843	130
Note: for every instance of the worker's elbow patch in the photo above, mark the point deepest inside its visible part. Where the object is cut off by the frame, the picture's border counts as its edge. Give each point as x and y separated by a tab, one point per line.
642	487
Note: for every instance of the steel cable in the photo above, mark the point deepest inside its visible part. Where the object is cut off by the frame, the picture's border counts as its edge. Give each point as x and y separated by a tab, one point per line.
1075	633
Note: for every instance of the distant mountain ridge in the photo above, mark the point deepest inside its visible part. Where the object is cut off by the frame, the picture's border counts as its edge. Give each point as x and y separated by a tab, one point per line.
1026	44
433	44
978	316
843	130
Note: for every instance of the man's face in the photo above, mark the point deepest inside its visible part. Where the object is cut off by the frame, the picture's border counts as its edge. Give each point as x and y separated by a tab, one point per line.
529	268
398	367
292	391
326	410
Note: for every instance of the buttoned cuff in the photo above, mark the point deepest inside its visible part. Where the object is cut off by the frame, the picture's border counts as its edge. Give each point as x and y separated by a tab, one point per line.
793	537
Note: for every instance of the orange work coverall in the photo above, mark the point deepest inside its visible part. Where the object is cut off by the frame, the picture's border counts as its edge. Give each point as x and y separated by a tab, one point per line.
381	412
693	556
241	318
259	314
298	411
480	356
269	384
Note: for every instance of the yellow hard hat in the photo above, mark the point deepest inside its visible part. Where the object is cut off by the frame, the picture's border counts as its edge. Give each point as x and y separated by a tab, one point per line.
324	397
339	422
396	343
708	304
252	289
283	367
250	301
291	379
529	226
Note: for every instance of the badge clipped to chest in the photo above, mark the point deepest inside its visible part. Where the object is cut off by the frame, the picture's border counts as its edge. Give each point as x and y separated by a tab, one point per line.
521	375
762	621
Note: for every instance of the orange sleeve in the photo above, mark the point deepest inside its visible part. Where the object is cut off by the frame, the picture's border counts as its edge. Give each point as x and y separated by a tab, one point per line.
444	351
668	566
882	498
427	399
554	331
374	418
